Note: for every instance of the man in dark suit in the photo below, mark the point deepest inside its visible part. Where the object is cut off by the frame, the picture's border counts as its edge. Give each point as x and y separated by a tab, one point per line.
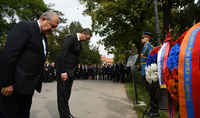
21	64
78	71
66	65
105	73
114	70
86	71
95	71
117	72
109	72
101	72
47	72
122	71
82	71
53	71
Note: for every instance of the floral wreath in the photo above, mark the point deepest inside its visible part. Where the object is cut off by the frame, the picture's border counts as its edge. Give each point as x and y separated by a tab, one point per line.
171	70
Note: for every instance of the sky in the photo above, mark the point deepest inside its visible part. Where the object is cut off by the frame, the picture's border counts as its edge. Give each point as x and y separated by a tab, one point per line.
73	12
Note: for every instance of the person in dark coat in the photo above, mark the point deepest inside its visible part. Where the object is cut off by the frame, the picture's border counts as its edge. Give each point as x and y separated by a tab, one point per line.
78	71
101	71
98	72
86	71
105	72
117	73
91	72
66	65
51	73
82	71
122	71
88	67
110	72
95	68
46	72
21	64
114	72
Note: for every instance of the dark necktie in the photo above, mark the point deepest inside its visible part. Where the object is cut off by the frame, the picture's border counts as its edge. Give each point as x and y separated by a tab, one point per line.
80	43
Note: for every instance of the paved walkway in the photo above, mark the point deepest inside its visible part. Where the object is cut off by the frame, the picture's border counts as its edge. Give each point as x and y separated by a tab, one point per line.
89	99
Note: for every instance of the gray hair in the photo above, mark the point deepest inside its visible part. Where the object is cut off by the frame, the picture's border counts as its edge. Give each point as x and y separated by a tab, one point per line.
49	15
87	31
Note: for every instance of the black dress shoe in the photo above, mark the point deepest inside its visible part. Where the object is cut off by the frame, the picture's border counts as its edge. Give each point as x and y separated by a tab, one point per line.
70	116
153	115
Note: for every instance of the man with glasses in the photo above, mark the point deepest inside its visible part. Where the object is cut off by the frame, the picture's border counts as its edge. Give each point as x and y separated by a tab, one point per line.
66	66
21	64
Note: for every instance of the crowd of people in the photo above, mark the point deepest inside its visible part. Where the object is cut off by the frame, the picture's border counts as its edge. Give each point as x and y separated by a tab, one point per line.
115	72
49	72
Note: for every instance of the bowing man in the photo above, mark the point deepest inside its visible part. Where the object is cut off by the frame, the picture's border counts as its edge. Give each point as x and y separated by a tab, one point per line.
21	64
66	66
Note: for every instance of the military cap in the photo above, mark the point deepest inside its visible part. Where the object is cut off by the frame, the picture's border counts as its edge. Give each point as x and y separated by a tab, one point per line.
147	34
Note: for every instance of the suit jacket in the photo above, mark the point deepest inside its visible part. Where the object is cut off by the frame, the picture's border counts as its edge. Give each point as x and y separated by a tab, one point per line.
105	69
68	57
79	69
48	67
101	70
122	66
95	69
22	59
86	70
117	69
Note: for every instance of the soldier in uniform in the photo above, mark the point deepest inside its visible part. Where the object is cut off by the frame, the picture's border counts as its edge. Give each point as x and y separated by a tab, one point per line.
144	55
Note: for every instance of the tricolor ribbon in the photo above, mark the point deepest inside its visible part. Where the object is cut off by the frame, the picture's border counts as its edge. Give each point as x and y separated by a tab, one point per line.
188	74
161	62
166	53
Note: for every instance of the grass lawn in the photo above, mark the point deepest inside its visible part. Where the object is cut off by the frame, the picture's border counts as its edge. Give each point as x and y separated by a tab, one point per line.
143	95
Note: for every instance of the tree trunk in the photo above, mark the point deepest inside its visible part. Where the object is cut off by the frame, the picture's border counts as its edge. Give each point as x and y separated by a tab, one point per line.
166	16
156	23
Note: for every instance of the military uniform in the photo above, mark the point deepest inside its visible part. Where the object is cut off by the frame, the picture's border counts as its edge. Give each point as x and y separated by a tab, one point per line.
144	55
143	58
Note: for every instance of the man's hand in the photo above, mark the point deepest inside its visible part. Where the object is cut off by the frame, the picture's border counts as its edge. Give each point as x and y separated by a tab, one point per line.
7	91
64	78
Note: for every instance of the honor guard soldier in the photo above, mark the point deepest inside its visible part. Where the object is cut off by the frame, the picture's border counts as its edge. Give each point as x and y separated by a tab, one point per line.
146	50
144	55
